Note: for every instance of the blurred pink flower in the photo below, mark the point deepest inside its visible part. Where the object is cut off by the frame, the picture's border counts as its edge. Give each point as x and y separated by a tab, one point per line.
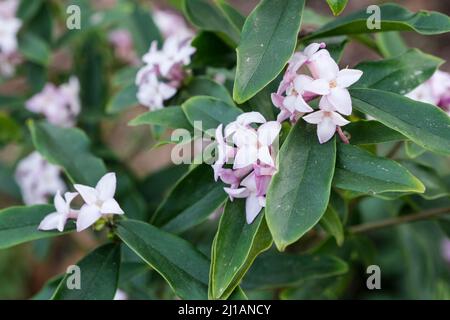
38	179
122	41
171	24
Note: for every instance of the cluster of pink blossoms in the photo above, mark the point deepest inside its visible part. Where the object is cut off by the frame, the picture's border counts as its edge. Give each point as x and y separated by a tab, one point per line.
325	81
9	27
98	202
38	179
122	42
60	105
252	152
163	73
435	90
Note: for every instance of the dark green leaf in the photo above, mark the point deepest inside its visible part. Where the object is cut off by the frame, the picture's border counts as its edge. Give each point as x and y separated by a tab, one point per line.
34	49
425	124
235	247
202	86
99	276
68	148
332	224
299	192
20	224
124	98
337	6
268	40
390	44
371	132
170	117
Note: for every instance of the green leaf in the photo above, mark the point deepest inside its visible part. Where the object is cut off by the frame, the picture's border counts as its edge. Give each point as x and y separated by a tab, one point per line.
278	270
20	224
170	117
268	40
235	247
8	184
207	16
28	9
202	86
233	15
195	196
212	51
143	29
124	98
34	49
68	148
210	111
48	289
401	74
393	18
179	263
371	132
99	276
10	130
337	6
423	123
413	150
390	44
361	171
332	224
299	192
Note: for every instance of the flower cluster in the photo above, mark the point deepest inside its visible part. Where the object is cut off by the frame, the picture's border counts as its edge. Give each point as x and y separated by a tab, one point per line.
60	105
9	28
252	154
325	81
38	179
98	202
435	90
163	72
123	46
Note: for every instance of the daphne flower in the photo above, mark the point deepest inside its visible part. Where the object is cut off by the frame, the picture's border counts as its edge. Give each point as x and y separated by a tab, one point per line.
253	201
332	82
38	179
99	201
152	93
8	35
225	152
60	105
244	121
171	24
327	120
123	46
57	220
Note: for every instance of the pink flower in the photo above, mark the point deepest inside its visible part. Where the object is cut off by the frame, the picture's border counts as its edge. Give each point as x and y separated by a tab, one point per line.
171	24
8	8
327	120
152	92
445	249
99	201
57	220
38	179
123	45
60	105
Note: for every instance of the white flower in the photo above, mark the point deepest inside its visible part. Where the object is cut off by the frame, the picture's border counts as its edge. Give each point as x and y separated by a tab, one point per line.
253	202
38	179
152	93
57	220
8	35
99	201
327	120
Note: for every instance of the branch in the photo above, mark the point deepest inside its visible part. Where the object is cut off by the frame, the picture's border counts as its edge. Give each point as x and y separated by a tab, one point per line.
424	215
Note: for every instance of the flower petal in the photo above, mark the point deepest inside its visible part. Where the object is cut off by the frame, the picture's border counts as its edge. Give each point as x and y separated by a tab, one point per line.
69	196
87	216
264	156
315	117
252	208
59	203
88	194
52	221
338	119
250	117
319	86
268	132
106	186
111	206
346	77
245	156
322	66
341	101
237	193
326	130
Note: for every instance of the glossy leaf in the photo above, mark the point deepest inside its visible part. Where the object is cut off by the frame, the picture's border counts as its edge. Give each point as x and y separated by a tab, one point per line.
34	49
361	171
401	74
235	247
278	270
332	224
179	263
393	17
20	224
99	276
268	40
299	192
68	148
390	44
423	123
202	86
192	200
371	132
210	111
124	98
170	117
337	6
